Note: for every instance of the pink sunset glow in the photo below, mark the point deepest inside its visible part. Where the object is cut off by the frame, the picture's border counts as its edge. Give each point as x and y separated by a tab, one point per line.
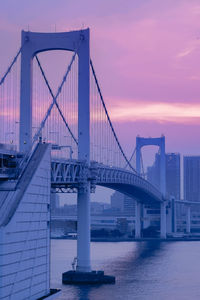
146	56
155	111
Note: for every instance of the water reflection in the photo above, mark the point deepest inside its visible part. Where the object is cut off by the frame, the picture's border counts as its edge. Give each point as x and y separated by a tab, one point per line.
83	292
133	263
148	249
144	271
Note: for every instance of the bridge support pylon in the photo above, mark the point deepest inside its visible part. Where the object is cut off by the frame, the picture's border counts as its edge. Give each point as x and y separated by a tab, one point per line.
188	229
83	230
174	219
163	223
83	273
169	218
83	197
138	221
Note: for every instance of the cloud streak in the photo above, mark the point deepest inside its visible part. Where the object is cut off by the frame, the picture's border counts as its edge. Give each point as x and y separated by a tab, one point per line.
158	112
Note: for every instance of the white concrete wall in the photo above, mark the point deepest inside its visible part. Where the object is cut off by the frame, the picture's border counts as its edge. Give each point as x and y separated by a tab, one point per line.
25	241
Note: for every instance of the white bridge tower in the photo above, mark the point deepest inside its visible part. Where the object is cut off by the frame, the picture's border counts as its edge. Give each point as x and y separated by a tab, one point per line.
141	142
34	43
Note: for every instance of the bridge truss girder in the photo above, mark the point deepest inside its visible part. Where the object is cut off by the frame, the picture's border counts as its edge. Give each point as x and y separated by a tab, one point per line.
71	175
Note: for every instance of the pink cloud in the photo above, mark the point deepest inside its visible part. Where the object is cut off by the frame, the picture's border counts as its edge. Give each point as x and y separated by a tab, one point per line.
158	112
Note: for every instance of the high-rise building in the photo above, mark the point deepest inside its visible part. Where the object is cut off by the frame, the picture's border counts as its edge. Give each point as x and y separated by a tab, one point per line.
117	201
153	172
129	206
173	174
172	161
123	203
192	178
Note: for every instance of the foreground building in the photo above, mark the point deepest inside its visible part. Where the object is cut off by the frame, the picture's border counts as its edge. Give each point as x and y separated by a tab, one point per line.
25	231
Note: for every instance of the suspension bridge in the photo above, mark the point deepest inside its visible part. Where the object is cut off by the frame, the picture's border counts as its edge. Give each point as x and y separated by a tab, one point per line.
62	140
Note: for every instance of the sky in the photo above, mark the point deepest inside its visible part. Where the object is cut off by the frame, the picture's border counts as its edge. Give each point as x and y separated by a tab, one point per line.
146	55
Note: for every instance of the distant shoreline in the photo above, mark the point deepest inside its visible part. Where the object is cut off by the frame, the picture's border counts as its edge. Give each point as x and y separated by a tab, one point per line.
176	239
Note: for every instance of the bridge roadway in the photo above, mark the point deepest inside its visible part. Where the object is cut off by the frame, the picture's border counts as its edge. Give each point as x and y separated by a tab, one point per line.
68	174
71	174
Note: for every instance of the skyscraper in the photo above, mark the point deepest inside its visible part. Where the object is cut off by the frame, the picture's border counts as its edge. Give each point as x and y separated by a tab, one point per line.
192	178
153	172
172	161
123	203
173	175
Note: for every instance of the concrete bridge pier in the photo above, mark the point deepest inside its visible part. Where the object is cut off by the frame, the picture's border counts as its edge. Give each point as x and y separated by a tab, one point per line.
138	221
188	211
163	224
83	273
83	230
174	218
169	217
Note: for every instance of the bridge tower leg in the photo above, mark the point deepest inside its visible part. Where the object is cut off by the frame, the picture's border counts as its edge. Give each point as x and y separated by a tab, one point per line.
25	134
83	196
188	219
138	220
162	166
138	155
163	212
83	270
139	206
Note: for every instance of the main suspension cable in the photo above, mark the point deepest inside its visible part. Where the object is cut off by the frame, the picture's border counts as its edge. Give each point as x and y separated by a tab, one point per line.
10	66
109	120
131	157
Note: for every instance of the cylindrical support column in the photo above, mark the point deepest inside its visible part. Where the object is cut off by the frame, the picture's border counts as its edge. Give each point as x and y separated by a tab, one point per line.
83	230
163	224
188	229
138	155
25	125
83	197
138	221
169	217
174	218
162	167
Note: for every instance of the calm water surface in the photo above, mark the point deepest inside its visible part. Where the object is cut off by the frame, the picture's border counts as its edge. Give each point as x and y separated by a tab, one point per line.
144	270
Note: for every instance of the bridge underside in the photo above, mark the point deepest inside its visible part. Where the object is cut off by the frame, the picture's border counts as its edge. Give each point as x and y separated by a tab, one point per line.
133	192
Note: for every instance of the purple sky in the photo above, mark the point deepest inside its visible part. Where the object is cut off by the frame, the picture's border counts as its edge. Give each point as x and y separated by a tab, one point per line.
146	55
